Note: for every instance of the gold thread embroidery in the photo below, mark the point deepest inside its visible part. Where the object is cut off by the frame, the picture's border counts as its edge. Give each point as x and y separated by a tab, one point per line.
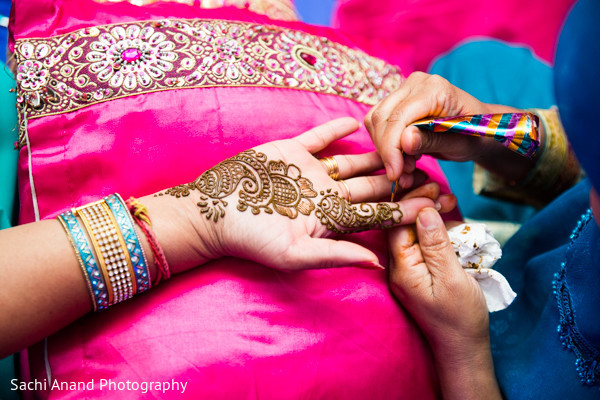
97	64
274	186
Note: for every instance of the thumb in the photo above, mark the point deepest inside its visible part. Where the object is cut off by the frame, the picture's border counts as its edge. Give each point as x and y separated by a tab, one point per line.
319	253
435	245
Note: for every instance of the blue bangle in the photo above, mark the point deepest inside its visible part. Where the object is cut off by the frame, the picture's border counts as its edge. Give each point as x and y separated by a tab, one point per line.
93	276
136	251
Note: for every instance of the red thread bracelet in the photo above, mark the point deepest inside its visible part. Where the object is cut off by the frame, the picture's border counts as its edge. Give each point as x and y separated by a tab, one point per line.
140	215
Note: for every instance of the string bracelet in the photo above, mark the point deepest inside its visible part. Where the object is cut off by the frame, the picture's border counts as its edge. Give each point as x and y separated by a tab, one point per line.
139	212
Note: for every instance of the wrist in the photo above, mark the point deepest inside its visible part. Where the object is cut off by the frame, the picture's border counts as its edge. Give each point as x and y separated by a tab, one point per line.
187	239
466	371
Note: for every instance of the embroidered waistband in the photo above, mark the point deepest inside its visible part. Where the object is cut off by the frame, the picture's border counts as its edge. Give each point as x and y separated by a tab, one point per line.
91	65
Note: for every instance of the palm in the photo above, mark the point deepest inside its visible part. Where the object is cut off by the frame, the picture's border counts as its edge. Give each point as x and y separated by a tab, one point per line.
276	204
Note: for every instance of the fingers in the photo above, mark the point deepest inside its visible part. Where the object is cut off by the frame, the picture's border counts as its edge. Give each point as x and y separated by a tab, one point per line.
447	203
365	188
430	190
318	253
421	95
339	216
435	245
386	121
405	253
321	136
444	203
452	146
357	164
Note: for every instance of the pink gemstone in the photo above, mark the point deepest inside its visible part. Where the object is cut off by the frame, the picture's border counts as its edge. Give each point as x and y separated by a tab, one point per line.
309	58
131	55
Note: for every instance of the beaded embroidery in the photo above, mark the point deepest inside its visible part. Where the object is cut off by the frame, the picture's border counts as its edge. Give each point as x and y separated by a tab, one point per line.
91	65
587	361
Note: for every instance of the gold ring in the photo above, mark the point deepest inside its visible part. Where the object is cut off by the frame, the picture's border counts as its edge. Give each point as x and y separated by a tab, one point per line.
347	190
332	166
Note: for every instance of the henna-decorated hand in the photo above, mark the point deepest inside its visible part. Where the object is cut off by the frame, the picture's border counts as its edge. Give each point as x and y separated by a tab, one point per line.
277	205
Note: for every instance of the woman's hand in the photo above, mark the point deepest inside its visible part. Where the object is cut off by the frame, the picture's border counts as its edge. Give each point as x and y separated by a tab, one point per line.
447	304
421	96
276	204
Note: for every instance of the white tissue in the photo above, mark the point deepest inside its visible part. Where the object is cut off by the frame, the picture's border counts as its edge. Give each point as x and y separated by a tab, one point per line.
477	251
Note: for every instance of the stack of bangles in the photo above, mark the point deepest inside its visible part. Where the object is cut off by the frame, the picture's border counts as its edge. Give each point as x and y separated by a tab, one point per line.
115	266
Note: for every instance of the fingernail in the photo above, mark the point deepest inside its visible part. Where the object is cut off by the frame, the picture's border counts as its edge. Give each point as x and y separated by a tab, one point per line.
417	143
389	171
368	265
438	206
429	218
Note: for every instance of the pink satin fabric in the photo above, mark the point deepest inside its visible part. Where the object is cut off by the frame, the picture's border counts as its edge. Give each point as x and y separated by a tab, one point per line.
231	328
425	29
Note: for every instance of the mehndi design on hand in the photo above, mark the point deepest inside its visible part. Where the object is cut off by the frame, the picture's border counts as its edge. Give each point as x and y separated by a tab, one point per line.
340	216
276	186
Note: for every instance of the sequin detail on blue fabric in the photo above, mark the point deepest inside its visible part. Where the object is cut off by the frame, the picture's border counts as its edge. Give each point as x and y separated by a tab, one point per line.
587	363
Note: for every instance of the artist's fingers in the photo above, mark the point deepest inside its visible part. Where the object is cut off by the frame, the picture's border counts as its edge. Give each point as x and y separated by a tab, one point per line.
387	142
319	253
351	165
448	145
410	163
321	136
435	245
406	257
430	190
375	187
444	203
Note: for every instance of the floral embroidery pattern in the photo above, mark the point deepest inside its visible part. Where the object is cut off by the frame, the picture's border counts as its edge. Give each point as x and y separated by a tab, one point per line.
126	57
64	73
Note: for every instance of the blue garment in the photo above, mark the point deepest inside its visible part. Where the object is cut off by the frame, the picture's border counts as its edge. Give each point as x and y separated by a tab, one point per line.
547	343
530	359
4	12
514	77
577	85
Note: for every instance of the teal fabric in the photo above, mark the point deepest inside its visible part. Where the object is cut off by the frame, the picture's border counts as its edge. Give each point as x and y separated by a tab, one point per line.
8	181
494	72
8	155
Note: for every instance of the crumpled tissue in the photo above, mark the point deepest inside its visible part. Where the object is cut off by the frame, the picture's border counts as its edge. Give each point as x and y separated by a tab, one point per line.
477	251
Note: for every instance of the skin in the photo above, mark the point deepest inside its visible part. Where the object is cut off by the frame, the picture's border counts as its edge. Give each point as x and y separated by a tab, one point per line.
424	95
425	274
43	289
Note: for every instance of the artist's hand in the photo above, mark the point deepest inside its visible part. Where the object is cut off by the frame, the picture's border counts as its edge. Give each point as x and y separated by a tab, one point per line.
427	278
276	204
448	305
421	96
